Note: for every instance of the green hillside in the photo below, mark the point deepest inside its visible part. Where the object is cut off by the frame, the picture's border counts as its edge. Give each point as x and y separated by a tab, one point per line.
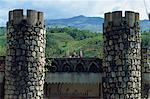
2	31
2	45
2	41
63	41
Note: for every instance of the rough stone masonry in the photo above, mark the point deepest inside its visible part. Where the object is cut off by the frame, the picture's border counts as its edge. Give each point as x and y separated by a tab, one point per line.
122	56
25	59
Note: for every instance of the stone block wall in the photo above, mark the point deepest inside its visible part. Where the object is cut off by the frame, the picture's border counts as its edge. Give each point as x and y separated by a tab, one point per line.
1	90
145	74
145	63
25	59
122	56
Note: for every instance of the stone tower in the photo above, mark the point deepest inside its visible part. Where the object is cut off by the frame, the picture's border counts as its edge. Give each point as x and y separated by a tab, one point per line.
25	59
122	56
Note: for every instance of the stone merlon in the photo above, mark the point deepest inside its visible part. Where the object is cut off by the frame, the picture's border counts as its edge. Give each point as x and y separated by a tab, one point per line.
33	17
116	18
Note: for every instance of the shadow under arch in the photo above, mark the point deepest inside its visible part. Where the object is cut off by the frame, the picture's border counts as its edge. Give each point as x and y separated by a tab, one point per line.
66	67
93	68
79	67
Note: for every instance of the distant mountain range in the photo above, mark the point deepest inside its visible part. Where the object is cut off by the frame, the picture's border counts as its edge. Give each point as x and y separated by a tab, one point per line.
93	24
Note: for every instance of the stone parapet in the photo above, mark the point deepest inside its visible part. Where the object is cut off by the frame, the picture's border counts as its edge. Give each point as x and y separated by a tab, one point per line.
116	19
33	18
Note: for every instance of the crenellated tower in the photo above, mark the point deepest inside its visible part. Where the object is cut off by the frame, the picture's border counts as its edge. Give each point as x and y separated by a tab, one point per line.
122	56
25	59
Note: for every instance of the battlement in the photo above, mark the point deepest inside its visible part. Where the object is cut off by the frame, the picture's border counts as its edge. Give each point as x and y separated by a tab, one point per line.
116	19
33	17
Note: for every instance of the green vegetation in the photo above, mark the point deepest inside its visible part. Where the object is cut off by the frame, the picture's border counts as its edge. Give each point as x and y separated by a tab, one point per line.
63	41
2	31
2	41
146	41
2	45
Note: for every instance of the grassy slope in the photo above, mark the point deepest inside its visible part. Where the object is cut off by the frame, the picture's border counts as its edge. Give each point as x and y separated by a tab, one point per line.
63	43
2	45
58	44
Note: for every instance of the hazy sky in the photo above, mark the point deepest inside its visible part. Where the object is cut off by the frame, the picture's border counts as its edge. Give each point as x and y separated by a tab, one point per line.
54	9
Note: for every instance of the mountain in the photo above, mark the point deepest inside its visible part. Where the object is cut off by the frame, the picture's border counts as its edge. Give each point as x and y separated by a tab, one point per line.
145	25
93	24
2	30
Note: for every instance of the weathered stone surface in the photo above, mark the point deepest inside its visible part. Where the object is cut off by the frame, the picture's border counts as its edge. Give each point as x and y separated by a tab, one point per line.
122	73
23	73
